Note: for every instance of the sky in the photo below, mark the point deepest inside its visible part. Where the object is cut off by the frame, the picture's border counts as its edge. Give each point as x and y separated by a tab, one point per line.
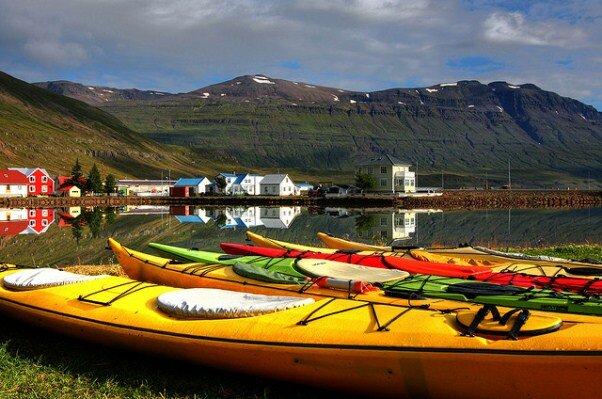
364	45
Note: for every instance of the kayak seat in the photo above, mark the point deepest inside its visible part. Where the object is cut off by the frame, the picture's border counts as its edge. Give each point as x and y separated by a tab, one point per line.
266	275
211	303
472	290
31	279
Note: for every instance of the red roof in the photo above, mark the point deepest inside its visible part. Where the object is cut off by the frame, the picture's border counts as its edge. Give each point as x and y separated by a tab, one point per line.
62	180
12	177
66	188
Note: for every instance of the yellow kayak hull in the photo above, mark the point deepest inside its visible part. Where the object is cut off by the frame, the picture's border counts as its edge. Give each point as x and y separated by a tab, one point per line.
422	354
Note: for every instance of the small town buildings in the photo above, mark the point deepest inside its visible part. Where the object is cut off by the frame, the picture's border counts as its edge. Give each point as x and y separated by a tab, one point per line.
278	184
188	187
391	174
304	188
39	181
246	184
13	183
145	188
341	190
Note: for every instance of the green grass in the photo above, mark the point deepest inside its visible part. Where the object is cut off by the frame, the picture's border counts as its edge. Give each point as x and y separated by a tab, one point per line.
576	252
38	364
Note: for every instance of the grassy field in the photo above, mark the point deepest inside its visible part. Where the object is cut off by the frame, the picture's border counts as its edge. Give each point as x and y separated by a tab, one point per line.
39	364
576	252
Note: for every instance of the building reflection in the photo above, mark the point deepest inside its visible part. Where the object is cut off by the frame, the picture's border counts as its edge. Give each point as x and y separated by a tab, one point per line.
399	224
25	221
238	217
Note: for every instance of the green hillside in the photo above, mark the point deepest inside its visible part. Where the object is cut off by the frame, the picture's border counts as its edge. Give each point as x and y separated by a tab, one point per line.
44	129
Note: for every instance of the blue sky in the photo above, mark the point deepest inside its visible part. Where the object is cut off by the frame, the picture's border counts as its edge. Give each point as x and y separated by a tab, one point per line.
182	45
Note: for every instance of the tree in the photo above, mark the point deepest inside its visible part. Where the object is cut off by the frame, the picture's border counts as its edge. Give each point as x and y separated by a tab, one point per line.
76	173
365	181
94	183
221	183
110	184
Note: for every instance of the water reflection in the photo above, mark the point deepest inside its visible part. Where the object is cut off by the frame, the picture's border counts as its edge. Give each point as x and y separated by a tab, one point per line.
25	221
77	235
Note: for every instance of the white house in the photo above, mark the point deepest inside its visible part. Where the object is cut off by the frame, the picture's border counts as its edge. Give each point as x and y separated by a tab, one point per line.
13	183
246	183
278	184
390	174
230	178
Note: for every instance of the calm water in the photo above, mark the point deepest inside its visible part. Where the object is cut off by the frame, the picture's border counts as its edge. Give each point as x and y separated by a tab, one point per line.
78	235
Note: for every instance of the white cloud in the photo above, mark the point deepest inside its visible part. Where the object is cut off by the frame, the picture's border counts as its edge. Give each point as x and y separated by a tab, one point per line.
513	27
54	53
363	45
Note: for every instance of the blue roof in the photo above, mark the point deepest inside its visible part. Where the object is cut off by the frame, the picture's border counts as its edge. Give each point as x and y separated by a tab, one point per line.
228	174
239	223
183	182
239	178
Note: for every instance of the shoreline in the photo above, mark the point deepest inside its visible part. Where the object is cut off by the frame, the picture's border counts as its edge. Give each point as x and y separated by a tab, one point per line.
449	200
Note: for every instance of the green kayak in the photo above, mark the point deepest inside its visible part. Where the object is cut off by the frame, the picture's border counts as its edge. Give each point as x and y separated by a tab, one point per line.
426	286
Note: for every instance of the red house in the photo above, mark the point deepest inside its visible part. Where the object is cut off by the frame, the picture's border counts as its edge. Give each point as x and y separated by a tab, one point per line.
39	181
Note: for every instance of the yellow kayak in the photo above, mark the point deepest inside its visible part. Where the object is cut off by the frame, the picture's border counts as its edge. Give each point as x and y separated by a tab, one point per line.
341	344
460	256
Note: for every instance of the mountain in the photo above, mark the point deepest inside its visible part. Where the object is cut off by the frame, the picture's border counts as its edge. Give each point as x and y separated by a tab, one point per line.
44	129
96	95
464	128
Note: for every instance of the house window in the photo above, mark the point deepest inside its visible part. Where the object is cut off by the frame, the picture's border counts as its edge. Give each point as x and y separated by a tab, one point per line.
370	169
266	190
44	222
383	169
44	179
44	189
32	179
44	212
32	213
383	182
32	223
32	189
383	221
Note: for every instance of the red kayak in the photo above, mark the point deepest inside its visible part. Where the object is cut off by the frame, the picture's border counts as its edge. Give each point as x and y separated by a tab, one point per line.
480	273
375	260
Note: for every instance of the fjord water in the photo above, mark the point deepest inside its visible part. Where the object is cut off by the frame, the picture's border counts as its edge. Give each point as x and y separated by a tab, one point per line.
77	236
